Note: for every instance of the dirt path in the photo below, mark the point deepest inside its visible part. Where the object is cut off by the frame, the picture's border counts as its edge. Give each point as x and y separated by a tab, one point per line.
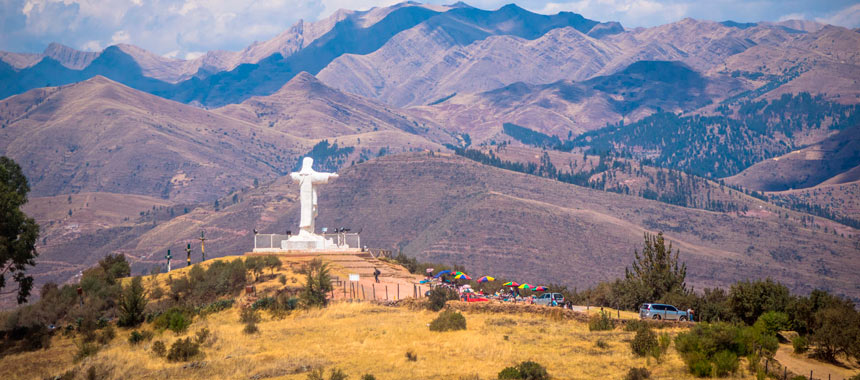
801	365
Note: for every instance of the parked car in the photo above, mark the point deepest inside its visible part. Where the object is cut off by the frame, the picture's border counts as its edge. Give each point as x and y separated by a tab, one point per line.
662	311
547	298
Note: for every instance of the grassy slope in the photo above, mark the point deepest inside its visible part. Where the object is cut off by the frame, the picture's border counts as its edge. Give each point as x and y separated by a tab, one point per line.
358	338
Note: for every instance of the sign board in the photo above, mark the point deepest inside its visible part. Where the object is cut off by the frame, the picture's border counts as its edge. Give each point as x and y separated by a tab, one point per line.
353	277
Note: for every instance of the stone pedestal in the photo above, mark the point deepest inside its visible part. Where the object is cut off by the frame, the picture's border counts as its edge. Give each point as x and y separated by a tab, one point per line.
307	242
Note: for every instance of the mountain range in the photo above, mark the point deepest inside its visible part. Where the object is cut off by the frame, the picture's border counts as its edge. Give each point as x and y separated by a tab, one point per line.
509	141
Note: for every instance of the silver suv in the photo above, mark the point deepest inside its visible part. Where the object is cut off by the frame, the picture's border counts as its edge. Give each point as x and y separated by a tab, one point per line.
547	299
661	311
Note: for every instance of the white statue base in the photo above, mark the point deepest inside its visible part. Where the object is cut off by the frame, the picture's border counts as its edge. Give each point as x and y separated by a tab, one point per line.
308	242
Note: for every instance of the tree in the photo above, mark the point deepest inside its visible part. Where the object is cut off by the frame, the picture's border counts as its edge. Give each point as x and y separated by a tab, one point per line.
750	299
656	272
132	302
255	265
273	262
317	284
837	331
18	232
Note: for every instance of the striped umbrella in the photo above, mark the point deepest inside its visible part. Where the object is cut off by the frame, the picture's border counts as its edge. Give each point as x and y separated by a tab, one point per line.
511	284
486	279
525	286
462	276
541	289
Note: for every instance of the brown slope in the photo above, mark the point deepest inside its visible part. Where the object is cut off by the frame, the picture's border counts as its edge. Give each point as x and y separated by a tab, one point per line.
818	163
447	208
841	198
101	136
307	108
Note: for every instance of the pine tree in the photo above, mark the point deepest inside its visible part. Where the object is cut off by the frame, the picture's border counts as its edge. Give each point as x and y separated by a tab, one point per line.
656	272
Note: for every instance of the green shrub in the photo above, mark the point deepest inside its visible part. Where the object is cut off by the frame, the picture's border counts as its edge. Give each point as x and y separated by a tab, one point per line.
368	376
645	343
800	344
439	296
132	302
725	362
283	280
637	374
509	373
448	320
202	336
183	350
135	337
174	319
251	328
635	325
86	349
107	334
527	370
159	349
263	303
700	368
411	356
317	284
601	344
600	322
216	306
249	315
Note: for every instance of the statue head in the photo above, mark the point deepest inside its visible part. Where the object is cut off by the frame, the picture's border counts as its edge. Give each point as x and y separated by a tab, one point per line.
307	164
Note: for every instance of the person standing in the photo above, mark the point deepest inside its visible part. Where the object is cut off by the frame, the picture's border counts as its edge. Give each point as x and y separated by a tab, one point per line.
376	274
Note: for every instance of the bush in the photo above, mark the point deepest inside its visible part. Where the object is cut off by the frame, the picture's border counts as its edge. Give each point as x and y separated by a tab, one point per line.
368	376
251	328
637	374
527	370
174	319
107	334
249	315
132	302
645	343
601	344
411	356
317	284
283	280
439	296
600	322
335	374
635	325
725	362
800	344
159	349
139	336
448	320
700	367
183	350
202	336
217	306
86	349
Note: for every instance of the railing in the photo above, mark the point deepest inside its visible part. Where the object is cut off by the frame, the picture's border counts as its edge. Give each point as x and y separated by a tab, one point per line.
274	242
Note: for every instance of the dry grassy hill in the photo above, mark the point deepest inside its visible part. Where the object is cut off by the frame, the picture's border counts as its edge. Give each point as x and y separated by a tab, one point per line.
357	338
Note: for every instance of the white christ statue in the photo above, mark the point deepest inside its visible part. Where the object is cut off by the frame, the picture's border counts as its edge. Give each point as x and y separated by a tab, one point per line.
308	179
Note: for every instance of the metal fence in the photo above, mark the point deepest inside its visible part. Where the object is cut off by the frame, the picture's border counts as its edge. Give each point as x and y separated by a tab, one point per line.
273	242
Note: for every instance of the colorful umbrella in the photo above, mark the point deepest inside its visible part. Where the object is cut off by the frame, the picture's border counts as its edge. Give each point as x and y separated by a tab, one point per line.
423	281
441	273
486	279
525	286
511	284
541	289
462	276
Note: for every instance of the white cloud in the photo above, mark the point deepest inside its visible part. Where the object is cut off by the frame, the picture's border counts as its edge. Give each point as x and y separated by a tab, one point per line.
793	16
120	37
194	54
848	17
628	12
91	46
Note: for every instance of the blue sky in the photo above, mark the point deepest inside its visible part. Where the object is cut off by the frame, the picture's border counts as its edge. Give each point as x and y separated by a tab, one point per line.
186	28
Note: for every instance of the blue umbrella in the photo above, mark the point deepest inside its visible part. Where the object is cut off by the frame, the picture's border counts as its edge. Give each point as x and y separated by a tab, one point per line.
441	273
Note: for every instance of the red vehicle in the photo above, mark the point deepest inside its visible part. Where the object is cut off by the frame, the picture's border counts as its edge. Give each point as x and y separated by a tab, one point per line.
472	297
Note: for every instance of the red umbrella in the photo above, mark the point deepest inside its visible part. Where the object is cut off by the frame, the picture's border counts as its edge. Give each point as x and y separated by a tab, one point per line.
511	284
541	289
